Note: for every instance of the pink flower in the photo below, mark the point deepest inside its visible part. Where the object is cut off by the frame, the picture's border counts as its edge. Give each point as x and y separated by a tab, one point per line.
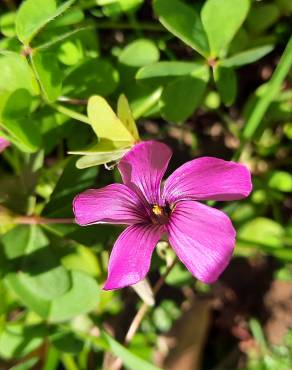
202	237
3	144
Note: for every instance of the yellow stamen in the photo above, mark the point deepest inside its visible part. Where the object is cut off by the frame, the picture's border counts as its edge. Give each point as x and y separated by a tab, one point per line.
157	210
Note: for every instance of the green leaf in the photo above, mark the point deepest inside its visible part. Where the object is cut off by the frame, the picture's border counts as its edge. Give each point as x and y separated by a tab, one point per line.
94	76
139	53
26	364
261	17
23	132
66	341
181	97
60	204
48	73
221	21
33	15
281	180
91	236
72	16
17	74
163	72
112	8
17	87
70	52
80	299
18	340
130	360
184	22
261	232
225	79
143	99
247	56
7	24
28	251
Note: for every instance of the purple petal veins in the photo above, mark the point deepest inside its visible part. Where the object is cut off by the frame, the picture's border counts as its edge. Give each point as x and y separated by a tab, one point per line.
202	237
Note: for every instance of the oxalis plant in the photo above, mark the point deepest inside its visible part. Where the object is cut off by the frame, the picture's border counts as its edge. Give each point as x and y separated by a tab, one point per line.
95	97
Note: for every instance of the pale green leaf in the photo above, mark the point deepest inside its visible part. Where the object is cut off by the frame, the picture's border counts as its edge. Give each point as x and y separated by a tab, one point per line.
125	115
100	158
106	124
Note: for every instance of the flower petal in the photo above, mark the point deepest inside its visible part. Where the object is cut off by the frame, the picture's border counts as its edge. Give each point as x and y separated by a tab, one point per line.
131	255
208	178
203	239
143	167
3	144
115	204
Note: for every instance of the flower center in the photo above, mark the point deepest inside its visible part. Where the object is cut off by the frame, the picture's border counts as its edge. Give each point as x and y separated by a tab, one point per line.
157	210
159	214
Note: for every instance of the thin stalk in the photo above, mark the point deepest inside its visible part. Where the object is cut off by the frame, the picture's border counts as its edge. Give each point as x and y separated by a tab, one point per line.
68	362
141	26
37	220
273	88
141	313
73	101
61	38
70	113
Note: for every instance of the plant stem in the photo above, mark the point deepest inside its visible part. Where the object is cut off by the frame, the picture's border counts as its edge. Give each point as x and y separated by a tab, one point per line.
141	26
68	362
37	220
73	101
272	89
70	113
141	313
61	38
255	120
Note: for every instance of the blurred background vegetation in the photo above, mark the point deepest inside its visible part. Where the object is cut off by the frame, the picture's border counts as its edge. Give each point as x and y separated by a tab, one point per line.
207	78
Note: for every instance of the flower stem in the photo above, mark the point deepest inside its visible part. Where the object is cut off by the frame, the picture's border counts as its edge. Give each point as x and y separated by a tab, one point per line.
73	101
141	313
37	220
70	113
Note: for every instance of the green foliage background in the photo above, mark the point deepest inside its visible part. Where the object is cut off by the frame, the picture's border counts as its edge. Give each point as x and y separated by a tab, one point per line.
208	77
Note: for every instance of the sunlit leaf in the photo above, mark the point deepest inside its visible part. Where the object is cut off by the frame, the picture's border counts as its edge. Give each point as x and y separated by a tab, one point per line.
48	73
106	124
33	15
247	56
184	22
221	21
139	53
125	115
